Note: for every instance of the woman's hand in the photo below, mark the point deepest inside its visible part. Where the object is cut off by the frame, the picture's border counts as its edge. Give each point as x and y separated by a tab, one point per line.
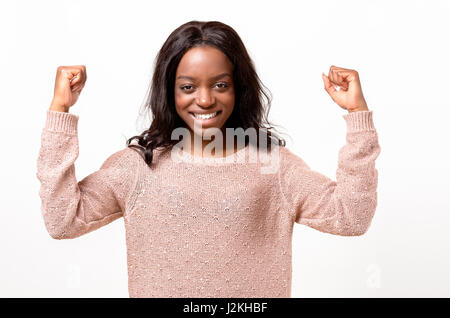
69	83
350	96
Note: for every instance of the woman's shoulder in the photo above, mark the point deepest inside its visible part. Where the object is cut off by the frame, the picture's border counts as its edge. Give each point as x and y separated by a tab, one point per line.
124	157
289	157
136	154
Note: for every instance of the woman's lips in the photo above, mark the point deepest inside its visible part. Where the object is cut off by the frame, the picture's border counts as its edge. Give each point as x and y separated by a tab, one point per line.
207	120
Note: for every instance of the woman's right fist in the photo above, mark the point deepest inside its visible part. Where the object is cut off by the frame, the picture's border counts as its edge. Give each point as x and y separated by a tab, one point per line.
69	83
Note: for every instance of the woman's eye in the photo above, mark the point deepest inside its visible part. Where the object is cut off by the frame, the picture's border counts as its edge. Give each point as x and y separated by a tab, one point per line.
189	87
224	85
185	87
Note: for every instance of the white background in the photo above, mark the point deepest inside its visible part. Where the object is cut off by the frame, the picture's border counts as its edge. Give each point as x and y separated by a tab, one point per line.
400	49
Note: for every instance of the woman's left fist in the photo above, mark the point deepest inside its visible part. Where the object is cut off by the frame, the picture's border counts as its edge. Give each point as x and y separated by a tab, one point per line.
350	96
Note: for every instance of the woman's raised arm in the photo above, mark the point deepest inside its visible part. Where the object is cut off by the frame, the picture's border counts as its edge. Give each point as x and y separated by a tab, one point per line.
345	206
70	208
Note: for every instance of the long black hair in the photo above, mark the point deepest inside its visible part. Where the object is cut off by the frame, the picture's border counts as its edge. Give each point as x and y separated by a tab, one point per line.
249	111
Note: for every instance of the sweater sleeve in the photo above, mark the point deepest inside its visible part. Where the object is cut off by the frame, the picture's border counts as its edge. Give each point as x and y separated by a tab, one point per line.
70	208
345	206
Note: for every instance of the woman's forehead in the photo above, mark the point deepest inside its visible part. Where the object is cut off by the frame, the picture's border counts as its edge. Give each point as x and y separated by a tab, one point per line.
204	62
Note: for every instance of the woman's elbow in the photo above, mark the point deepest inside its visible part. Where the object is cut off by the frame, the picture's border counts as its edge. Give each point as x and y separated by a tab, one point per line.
353	230
358	216
60	232
359	230
56	233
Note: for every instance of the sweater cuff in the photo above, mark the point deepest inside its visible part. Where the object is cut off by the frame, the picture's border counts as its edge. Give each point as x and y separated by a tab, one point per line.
61	122
359	121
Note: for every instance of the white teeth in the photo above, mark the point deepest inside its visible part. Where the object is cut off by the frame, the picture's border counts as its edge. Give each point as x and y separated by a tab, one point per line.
205	116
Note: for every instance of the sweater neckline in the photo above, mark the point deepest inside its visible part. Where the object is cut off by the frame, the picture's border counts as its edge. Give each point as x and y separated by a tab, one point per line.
183	156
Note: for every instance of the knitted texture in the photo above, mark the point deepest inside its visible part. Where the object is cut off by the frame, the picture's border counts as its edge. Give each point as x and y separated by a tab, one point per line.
215	228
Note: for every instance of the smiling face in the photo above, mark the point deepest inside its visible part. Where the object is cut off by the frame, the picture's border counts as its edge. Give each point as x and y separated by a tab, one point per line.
204	88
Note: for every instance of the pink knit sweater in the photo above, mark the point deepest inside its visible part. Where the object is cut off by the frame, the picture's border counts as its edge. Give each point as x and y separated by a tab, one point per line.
212	228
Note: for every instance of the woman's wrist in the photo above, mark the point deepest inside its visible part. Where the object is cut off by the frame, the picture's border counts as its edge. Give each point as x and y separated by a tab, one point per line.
58	108
358	109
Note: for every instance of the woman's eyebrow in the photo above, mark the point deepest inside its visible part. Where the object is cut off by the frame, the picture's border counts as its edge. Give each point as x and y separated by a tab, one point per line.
215	77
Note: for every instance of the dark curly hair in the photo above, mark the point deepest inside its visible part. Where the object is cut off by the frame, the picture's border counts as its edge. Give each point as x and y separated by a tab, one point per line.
249	110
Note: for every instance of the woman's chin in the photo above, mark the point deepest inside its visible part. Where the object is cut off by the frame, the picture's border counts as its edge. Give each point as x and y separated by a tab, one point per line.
207	133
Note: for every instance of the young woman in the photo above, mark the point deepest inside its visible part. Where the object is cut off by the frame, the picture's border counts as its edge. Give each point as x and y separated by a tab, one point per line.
213	224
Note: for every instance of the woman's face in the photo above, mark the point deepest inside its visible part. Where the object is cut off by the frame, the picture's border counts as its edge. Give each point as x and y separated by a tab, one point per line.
204	87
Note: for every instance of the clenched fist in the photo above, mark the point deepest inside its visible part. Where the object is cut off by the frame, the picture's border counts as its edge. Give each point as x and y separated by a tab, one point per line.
69	83
350	96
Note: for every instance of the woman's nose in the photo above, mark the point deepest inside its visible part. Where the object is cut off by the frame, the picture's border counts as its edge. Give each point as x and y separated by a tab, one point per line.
205	99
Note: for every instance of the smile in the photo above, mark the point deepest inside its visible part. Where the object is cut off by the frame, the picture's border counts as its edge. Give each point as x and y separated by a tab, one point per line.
205	116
